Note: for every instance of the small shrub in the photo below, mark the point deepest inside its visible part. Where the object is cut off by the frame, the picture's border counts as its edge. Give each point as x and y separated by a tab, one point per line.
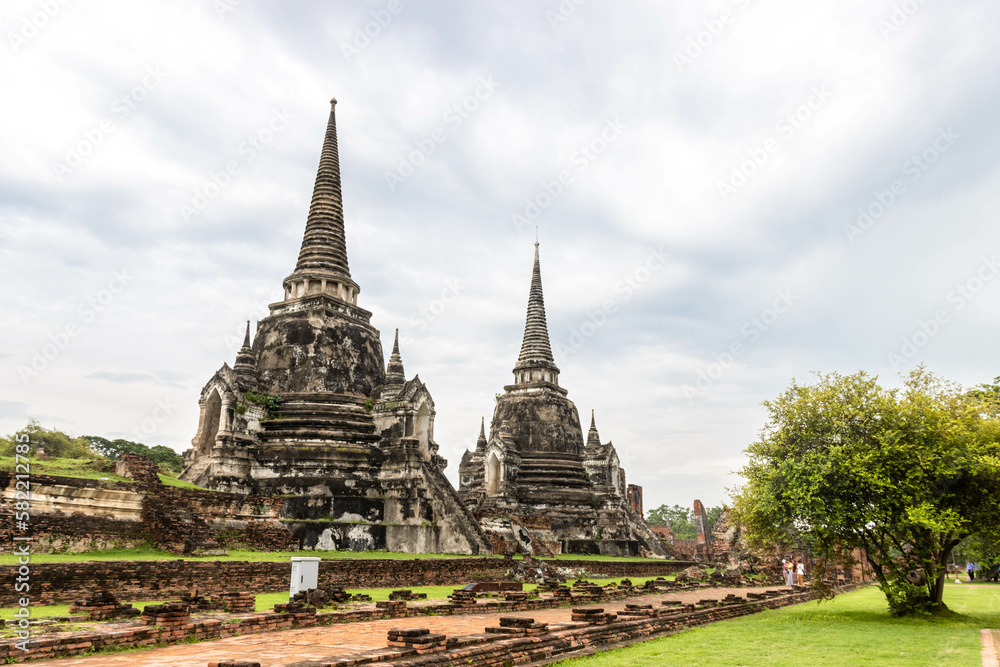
270	401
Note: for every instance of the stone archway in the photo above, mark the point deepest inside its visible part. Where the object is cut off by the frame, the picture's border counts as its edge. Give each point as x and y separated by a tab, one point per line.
210	417
422	430
493	475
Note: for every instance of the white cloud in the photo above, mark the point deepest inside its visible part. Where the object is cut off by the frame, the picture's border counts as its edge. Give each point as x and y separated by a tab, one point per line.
197	281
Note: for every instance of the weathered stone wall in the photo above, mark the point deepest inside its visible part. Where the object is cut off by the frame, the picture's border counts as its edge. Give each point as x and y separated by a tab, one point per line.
71	514
55	583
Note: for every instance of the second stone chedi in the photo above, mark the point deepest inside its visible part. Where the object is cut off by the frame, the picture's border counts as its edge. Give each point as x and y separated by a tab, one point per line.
534	481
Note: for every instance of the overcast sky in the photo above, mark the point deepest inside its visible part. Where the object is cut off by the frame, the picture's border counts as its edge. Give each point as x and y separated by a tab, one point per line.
801	186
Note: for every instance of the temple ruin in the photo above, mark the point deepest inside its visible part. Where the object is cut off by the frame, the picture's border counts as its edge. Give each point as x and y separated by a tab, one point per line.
534	484
309	411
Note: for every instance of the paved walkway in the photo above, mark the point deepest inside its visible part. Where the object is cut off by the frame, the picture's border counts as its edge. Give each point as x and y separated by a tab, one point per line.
274	649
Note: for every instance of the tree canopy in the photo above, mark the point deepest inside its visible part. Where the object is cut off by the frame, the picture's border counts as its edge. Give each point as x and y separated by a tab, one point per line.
61	445
113	449
903	474
56	443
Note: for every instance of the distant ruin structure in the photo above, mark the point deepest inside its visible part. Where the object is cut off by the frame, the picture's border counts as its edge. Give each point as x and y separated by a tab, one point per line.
701	531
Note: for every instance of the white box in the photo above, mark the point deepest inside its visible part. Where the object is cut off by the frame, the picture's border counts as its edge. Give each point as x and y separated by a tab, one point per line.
305	574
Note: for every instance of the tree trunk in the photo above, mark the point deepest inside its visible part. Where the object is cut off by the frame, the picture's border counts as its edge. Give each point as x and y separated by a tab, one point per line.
937	593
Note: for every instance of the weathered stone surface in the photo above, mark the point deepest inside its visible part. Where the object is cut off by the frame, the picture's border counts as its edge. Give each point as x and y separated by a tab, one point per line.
309	412
534	484
315	344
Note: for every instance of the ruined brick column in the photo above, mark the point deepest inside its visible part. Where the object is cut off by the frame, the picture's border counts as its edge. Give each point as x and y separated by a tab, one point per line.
701	526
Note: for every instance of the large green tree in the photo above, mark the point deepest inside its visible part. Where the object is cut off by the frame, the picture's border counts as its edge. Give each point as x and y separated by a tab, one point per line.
903	474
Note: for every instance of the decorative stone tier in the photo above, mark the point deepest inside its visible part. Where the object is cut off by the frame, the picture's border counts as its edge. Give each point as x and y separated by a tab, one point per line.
322	418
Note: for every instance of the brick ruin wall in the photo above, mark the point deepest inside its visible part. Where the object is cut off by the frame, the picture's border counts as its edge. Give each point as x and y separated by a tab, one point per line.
73	514
58	583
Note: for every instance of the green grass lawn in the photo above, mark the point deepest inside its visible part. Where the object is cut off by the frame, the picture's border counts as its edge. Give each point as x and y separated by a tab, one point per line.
169	480
853	629
81	468
63	609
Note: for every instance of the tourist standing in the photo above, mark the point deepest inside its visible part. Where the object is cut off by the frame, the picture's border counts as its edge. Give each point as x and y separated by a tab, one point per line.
970	569
801	573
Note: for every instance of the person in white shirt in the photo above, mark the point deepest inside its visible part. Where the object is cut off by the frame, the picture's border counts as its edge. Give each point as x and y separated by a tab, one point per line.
801	574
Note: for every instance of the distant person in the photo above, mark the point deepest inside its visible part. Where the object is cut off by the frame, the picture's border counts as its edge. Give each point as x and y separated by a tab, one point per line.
801	573
970	569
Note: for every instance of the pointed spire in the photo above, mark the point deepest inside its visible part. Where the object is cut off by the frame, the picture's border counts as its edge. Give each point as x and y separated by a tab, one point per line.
323	246
246	363
536	351
593	438
322	265
481	443
395	376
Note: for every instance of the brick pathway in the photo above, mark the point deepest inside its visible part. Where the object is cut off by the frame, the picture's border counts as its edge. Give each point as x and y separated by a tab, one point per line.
989	652
274	649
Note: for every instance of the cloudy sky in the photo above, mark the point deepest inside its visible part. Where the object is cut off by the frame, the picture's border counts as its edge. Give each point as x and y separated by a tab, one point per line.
728	194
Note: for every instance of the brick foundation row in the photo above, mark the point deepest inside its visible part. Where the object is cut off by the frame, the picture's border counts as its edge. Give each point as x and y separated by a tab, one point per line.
497	648
170	626
60	583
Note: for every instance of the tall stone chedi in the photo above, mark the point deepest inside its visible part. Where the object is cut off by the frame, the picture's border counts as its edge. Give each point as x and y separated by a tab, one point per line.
309	411
534	482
